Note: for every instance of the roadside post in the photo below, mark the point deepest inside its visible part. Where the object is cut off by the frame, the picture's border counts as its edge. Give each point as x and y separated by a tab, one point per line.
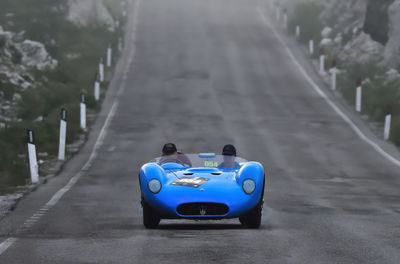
285	18
297	31
311	46
123	8
33	164
109	55
63	134
333	75
101	69
120	44
278	13
83	111
358	96
388	120
322	62
97	87
271	4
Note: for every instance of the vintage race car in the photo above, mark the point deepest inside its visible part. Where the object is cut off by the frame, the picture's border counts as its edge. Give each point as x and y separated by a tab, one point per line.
202	187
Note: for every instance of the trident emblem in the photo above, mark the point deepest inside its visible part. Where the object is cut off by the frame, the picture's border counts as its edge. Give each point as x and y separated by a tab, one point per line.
203	210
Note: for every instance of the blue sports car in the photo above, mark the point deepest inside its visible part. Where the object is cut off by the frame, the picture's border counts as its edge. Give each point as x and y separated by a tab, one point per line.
202	186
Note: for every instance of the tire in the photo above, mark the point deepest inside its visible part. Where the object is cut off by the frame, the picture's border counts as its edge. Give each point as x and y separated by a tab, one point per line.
252	219
150	218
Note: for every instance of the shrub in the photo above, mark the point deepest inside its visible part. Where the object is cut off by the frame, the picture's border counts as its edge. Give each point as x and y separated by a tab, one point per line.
378	94
307	16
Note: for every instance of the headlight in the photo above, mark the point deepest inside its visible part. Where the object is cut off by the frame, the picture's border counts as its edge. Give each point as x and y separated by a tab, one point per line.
154	186
249	186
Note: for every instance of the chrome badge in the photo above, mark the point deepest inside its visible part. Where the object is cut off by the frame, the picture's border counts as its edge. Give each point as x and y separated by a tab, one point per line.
203	210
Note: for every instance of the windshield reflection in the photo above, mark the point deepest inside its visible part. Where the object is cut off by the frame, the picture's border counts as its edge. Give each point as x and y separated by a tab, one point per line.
198	160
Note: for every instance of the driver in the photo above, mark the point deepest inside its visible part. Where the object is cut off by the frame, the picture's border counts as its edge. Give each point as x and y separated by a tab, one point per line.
229	153
171	154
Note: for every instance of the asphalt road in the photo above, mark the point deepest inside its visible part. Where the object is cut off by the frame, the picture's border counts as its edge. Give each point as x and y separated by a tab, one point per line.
206	73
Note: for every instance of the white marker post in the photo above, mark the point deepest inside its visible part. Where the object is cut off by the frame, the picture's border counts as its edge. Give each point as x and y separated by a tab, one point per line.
120	44
33	165
97	87
285	19
123	8
388	121
333	78
358	97
109	55
333	75
83	112
322	64
297	31
311	44
63	134
101	69
278	14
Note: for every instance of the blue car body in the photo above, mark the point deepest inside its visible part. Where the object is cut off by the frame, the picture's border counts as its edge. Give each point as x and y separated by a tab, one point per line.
201	192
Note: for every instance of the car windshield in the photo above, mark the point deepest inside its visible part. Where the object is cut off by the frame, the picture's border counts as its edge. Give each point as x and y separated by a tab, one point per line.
209	160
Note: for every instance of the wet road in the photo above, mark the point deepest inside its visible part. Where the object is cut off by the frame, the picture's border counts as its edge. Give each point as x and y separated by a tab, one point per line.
206	73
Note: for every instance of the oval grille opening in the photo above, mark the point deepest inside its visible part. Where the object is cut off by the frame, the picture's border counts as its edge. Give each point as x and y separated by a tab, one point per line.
201	209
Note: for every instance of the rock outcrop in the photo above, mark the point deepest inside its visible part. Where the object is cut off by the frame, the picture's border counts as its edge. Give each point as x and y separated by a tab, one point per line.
344	14
365	29
34	55
17	58
392	49
361	48
86	12
360	30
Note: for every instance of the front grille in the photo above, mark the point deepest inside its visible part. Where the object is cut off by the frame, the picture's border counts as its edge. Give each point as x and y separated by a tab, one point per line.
203	209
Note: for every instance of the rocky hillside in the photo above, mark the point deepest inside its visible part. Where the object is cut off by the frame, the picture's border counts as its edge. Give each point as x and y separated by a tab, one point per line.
363	37
365	29
89	12
49	54
18	57
360	29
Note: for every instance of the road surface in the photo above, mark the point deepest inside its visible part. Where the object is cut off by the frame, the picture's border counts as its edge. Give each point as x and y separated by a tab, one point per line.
203	74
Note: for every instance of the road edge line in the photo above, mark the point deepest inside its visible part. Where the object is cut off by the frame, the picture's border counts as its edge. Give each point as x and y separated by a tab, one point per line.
99	141
316	88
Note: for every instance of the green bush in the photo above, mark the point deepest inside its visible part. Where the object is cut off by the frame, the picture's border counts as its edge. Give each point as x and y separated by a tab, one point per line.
377	94
307	16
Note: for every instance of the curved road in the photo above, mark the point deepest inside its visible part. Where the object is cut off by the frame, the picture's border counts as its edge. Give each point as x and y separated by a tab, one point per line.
206	73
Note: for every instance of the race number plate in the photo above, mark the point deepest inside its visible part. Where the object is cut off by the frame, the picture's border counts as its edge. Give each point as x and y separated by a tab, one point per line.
190	181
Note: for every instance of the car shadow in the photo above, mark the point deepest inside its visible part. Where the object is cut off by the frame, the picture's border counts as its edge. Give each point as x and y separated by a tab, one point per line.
194	226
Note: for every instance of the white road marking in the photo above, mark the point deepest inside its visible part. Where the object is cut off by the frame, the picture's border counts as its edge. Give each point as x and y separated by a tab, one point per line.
327	99
6	244
99	142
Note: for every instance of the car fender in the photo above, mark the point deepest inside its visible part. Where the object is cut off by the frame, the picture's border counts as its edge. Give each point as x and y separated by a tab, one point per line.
151	171
255	171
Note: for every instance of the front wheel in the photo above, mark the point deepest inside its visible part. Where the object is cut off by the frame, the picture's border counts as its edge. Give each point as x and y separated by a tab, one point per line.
252	219
150	218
